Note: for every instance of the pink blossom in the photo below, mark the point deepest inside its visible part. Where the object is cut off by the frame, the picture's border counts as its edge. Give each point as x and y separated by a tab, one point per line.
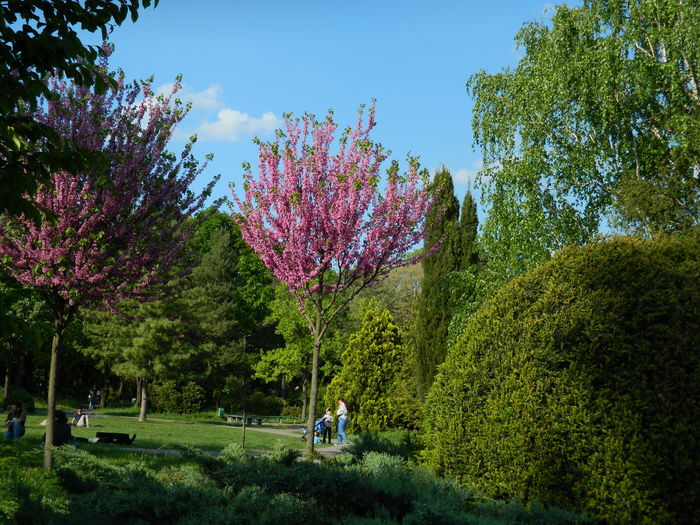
115	231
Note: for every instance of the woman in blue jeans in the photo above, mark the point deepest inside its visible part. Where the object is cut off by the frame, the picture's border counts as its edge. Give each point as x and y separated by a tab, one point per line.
15	421
342	421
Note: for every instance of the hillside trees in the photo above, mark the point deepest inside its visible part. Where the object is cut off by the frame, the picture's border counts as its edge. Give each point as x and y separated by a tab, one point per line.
613	129
325	224
119	227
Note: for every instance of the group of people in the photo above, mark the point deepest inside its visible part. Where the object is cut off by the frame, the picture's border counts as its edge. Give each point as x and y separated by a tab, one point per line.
94	399
323	427
17	419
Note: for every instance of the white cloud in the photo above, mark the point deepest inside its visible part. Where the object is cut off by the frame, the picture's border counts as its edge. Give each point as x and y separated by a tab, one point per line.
467	176
232	125
205	100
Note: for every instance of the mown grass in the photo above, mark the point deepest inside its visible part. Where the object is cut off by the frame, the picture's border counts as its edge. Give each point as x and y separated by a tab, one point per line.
155	434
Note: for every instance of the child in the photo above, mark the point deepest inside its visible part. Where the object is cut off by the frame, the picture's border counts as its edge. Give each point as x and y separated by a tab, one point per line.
328	422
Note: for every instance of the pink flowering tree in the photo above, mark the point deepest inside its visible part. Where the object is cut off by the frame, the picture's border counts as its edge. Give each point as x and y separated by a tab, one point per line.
113	232
326	223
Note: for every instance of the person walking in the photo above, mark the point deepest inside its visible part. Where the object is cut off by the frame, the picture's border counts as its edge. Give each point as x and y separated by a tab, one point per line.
342	414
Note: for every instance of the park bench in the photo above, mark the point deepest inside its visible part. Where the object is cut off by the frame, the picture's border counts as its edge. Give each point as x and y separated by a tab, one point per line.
259	420
238	418
114	437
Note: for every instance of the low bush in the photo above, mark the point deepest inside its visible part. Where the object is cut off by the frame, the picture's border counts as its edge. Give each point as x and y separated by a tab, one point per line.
166	397
291	411
264	405
380	489
191	398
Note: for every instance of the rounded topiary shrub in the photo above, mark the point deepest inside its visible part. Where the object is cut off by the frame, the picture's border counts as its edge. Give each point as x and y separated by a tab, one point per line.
578	385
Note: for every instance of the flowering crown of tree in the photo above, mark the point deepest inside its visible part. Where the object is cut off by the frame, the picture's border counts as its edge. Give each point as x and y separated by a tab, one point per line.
310	211
110	233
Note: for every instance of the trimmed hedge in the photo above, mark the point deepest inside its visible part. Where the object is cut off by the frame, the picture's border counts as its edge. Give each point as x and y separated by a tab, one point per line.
578	385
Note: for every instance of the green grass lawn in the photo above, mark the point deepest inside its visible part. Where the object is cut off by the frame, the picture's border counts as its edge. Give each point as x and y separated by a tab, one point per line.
161	434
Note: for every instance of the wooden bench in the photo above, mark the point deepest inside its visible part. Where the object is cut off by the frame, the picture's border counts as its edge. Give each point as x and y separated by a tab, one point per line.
238	418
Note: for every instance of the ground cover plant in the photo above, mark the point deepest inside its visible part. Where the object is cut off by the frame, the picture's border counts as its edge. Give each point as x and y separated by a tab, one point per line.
372	488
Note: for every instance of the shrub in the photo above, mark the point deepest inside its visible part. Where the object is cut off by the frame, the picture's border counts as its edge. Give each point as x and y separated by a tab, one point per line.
291	411
164	397
191	398
22	396
578	385
260	404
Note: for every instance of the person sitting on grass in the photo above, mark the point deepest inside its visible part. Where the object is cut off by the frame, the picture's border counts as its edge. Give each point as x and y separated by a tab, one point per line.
61	431
15	421
80	419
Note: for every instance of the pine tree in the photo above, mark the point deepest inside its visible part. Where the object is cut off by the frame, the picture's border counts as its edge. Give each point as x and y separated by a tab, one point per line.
432	313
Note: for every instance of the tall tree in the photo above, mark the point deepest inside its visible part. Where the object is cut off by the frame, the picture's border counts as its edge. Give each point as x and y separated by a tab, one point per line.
117	229
613	125
37	39
433	311
325	223
465	239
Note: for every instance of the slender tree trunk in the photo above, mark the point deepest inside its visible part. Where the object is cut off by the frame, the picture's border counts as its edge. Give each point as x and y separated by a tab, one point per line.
60	323
120	389
8	386
144	400
304	397
138	390
313	394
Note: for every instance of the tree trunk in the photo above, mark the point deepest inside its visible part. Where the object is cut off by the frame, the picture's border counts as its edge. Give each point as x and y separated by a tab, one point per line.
144	400
59	325
303	397
8	386
138	391
313	394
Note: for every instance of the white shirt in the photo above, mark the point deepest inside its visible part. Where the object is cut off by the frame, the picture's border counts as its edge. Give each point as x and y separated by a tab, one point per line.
342	411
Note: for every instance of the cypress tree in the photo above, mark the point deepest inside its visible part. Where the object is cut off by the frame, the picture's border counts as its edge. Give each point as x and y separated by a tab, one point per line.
466	234
432	312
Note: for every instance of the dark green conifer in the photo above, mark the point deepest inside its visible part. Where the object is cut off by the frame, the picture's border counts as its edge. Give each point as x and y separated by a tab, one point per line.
432	312
466	233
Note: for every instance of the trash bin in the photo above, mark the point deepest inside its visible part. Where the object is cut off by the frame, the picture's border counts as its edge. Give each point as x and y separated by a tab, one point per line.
220	412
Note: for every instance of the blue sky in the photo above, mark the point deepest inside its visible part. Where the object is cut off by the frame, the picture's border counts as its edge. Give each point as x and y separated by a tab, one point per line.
245	63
